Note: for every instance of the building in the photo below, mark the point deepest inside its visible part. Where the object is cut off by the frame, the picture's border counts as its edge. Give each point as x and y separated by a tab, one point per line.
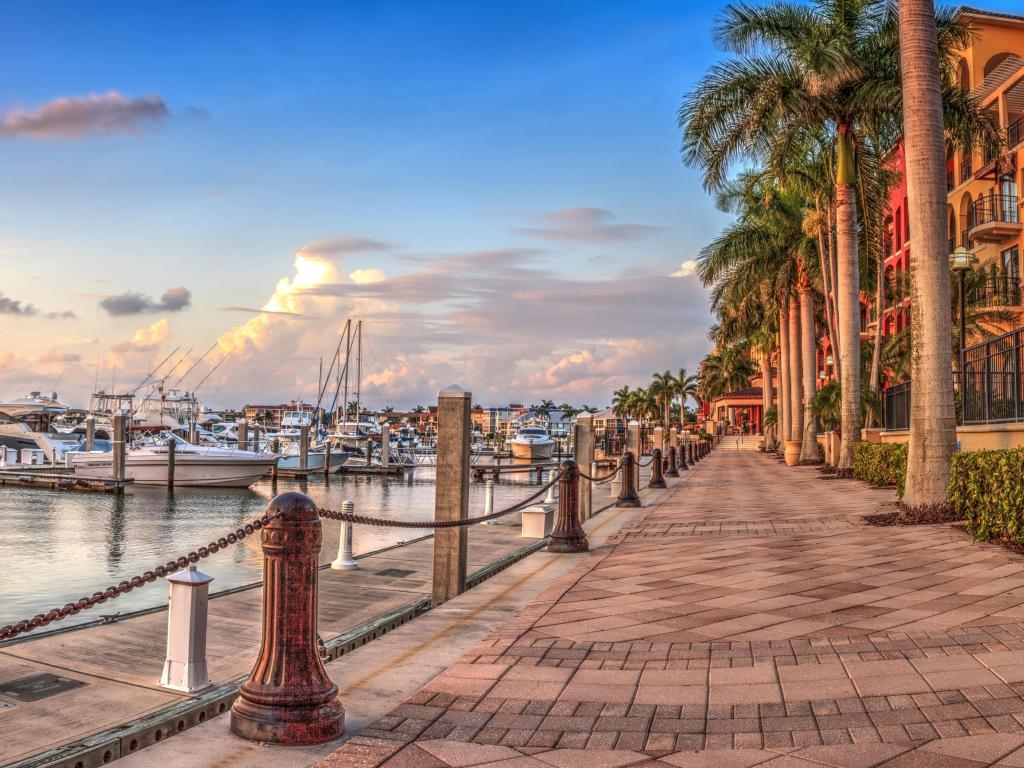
270	415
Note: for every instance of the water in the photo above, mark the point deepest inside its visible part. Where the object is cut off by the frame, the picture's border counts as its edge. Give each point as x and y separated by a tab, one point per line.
58	546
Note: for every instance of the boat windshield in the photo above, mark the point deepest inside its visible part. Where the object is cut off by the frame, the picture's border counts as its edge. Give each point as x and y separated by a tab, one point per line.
533	432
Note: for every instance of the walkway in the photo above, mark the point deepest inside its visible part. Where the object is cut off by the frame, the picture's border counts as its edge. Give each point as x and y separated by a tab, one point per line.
750	618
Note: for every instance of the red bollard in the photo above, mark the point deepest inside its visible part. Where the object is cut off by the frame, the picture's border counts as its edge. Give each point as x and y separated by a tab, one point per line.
673	466
568	535
288	698
628	497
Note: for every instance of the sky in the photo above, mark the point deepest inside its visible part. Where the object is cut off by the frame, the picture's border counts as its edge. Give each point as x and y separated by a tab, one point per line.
494	188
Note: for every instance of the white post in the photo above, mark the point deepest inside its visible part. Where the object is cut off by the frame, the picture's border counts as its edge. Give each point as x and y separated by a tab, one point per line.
385	445
345	561
185	667
489	502
550	498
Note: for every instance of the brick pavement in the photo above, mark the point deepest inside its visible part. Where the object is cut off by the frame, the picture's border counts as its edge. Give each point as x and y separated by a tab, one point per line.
750	618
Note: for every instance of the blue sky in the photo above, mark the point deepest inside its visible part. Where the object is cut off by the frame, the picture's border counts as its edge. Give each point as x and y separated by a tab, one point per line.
410	136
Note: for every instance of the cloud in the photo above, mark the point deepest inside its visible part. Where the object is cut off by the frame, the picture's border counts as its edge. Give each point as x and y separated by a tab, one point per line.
67	314
686	269
145	339
9	306
134	303
76	117
254	311
585	225
367	276
55	356
339	245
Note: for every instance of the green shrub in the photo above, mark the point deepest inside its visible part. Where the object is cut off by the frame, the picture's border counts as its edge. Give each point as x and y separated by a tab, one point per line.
881	464
986	488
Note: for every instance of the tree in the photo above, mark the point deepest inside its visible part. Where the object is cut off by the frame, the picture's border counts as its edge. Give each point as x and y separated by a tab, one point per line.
663	390
620	402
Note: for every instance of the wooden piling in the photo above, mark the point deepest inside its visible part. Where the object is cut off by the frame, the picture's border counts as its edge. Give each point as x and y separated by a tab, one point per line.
120	435
172	453
583	454
451	500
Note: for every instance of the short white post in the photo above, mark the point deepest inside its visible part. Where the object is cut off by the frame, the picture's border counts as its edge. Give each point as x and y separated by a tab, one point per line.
345	561
489	502
185	667
550	498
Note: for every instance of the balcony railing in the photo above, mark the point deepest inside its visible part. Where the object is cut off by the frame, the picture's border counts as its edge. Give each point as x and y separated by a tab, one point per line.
965	239
1015	133
991	208
950	180
966	171
998	290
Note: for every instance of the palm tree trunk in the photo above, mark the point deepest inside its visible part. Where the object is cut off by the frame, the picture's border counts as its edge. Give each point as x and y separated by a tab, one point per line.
827	281
767	395
932	418
796	410
809	355
848	290
830	256
876	352
783	420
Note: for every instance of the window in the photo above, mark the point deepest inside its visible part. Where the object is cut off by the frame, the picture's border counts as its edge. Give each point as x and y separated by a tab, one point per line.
906	222
1011	262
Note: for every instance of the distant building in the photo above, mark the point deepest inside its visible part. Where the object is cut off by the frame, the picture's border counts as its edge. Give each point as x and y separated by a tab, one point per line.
270	415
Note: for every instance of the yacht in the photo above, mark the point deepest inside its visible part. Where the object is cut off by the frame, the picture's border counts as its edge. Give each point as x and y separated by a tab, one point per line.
27	422
194	465
289	458
532	443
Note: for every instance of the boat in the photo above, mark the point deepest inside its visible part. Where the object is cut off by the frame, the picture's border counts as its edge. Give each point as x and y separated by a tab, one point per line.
532	443
290	460
27	423
194	465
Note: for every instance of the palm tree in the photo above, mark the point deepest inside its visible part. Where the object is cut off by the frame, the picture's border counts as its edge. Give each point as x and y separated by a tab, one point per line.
932	416
686	385
587	409
801	71
620	402
663	390
726	370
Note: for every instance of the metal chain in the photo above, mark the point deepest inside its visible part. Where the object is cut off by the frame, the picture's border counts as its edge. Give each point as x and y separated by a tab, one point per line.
601	480
645	464
352	517
147	577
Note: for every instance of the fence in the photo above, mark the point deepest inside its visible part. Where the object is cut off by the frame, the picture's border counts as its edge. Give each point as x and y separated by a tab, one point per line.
896	407
992	381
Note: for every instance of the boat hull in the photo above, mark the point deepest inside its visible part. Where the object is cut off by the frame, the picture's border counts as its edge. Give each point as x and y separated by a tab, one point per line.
189	471
522	450
314	462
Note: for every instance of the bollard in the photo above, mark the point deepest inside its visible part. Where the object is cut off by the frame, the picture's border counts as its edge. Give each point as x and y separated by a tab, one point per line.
583	454
385	445
673	465
451	492
691	453
615	484
185	667
288	698
633	445
673	438
568	534
489	502
628	496
549	497
90	432
243	434
304	447
172	455
657	478
120	436
345	561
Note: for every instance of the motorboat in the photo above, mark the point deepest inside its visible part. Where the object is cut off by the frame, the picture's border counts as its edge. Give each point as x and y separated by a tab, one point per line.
532	443
27	423
194	465
291	460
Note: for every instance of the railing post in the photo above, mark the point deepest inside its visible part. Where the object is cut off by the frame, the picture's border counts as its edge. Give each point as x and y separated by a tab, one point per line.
451	500
288	698
345	561
657	478
628	496
673	465
568	534
185	667
583	453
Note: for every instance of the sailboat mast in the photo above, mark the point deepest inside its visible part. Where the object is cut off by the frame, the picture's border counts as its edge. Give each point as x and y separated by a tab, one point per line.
348	353
359	367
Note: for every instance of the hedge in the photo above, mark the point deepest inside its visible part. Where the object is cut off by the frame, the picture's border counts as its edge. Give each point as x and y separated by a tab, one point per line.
986	488
881	464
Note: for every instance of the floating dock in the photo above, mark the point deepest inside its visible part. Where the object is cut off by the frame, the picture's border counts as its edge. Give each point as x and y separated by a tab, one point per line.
58	479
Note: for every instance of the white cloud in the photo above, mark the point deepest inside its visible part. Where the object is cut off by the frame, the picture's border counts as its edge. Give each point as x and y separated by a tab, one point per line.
686	269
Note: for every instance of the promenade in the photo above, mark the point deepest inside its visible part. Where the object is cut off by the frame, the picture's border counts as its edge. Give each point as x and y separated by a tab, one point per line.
747	617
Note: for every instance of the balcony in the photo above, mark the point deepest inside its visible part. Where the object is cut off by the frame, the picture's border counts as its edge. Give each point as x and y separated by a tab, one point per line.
965	240
998	290
1015	133
993	218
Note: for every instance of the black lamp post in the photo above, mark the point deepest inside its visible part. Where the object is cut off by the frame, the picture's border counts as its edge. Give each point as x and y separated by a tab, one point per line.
960	261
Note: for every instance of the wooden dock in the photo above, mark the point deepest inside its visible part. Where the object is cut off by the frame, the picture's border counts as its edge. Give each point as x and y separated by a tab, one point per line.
58	479
120	702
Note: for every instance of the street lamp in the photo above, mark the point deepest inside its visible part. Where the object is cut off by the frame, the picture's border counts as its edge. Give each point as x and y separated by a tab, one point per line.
960	261
821	375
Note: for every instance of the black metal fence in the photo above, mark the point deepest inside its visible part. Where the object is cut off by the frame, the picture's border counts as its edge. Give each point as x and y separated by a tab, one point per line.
992	380
998	289
896	406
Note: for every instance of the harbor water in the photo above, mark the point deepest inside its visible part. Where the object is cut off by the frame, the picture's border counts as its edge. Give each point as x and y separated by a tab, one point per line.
59	546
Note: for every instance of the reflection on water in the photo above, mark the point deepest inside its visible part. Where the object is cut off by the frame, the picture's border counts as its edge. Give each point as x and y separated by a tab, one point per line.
59	546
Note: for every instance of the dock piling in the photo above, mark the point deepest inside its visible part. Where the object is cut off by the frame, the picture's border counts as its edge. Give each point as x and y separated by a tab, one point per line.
288	698
120	435
172	454
185	667
385	445
243	434
451	500
304	447
583	453
90	432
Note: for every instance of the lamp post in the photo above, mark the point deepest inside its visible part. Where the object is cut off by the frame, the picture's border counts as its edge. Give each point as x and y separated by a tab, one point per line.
960	261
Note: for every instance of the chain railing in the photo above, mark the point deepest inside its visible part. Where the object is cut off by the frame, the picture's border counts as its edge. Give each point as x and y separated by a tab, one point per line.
123	587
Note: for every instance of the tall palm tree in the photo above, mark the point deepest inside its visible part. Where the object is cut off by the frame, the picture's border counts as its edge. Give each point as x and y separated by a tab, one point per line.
798	70
620	401
686	385
663	389
932	416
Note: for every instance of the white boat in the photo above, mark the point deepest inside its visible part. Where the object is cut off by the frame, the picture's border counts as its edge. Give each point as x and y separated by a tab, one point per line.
194	465
27	423
532	443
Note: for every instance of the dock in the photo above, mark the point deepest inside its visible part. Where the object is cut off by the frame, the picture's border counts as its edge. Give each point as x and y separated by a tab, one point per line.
58	479
114	701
